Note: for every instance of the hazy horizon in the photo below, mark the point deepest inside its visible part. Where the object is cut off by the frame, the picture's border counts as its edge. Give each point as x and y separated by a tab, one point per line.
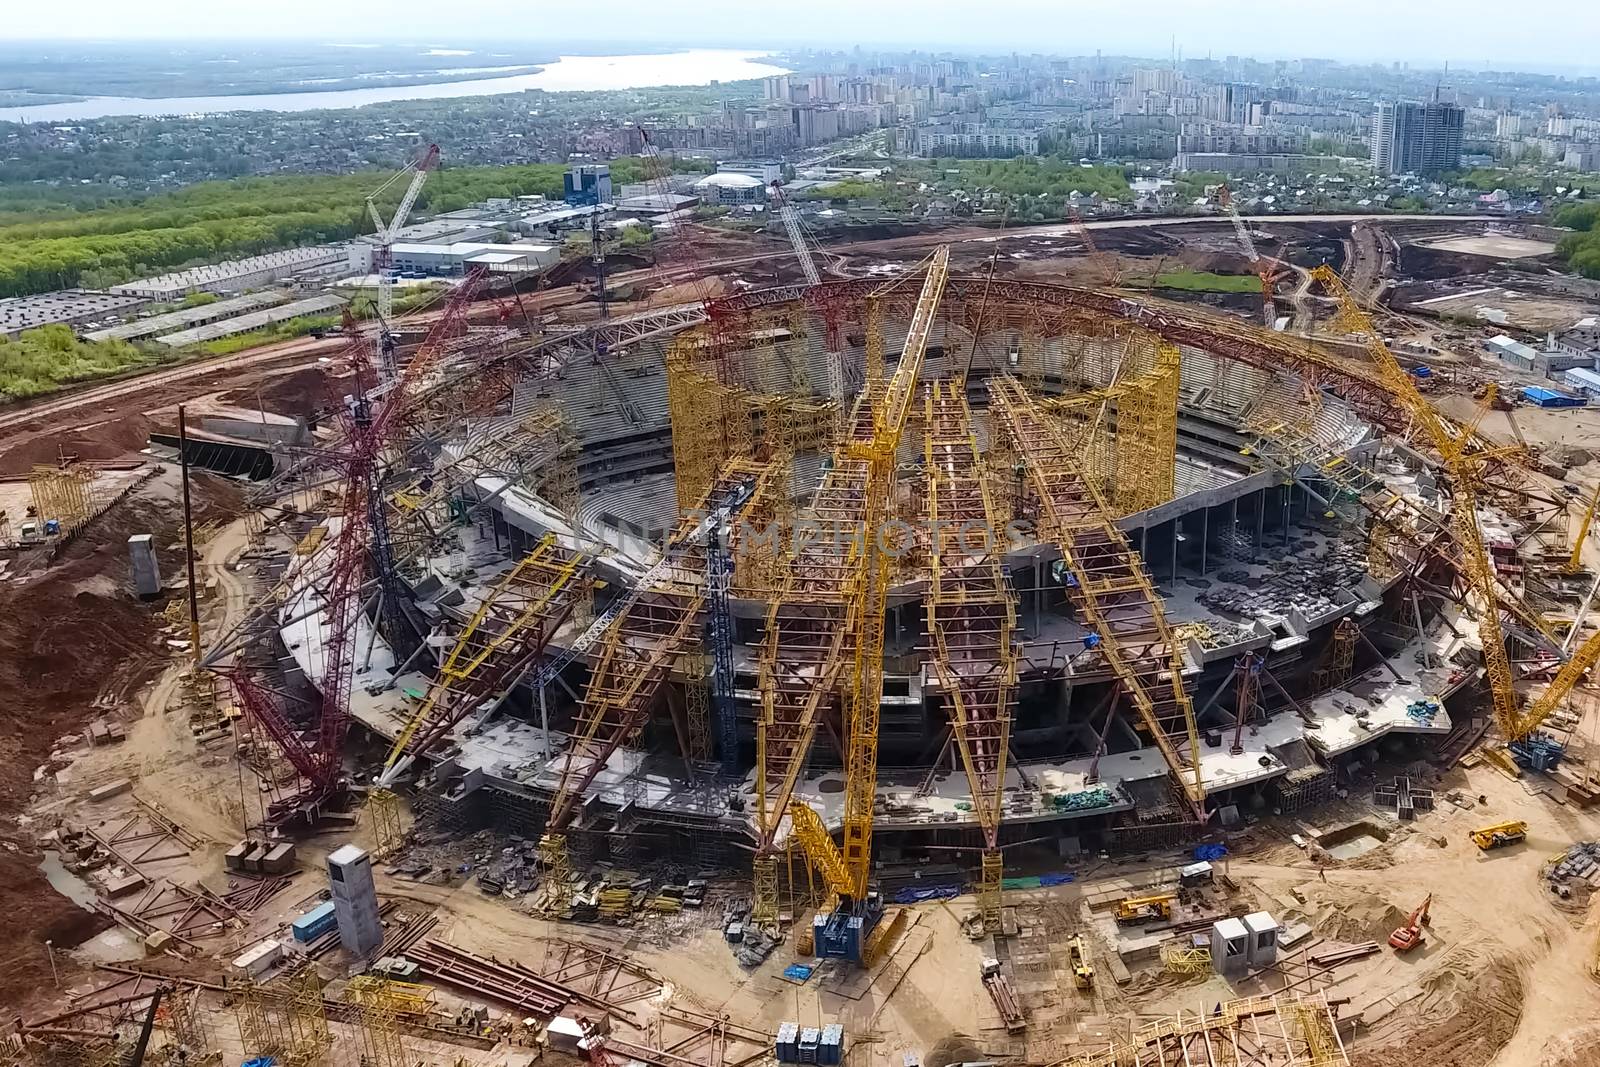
1472	34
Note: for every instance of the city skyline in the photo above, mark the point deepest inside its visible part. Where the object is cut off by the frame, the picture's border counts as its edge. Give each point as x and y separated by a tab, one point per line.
1479	36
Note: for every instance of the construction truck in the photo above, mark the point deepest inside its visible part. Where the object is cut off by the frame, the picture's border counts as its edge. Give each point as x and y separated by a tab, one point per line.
1409	936
1004	997
1500	834
1131	910
1082	973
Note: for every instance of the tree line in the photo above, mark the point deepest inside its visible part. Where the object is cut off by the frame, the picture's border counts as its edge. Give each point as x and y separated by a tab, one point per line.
55	246
1581	248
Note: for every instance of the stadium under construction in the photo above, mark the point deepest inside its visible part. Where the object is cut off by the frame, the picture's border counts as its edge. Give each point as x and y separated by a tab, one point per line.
934	562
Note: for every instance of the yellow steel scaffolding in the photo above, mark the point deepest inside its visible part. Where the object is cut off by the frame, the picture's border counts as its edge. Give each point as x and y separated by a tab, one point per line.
387	833
305	1020
971	617
379	1040
711	421
64	494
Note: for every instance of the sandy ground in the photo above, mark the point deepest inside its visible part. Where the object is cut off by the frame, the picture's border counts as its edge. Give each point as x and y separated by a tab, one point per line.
1500	246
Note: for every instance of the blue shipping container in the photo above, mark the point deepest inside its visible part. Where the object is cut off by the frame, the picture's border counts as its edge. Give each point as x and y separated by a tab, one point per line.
314	923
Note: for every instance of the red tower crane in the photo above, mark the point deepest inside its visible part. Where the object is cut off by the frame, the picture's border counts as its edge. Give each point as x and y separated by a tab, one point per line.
370	423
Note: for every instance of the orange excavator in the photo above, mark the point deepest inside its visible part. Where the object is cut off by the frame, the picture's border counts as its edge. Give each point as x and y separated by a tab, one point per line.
1409	936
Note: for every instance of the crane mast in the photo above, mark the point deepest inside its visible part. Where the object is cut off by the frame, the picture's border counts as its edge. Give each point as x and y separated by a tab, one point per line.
868	592
372	426
1262	266
382	258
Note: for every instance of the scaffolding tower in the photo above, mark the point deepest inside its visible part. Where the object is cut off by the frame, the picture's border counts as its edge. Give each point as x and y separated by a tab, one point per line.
64	493
379	1004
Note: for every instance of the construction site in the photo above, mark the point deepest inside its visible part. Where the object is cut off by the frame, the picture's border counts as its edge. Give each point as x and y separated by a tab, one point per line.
915	657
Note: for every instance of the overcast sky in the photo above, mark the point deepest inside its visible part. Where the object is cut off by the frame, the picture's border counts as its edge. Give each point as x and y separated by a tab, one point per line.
1532	34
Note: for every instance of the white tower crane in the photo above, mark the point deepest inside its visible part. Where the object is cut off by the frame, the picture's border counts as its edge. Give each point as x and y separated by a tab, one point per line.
382	256
808	267
1261	265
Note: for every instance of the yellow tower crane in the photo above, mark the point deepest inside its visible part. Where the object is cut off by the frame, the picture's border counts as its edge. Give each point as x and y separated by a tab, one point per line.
869	590
1465	467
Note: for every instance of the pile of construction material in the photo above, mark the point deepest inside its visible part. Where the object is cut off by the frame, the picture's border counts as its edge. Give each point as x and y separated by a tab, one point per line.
613	897
751	945
1304	583
1576	873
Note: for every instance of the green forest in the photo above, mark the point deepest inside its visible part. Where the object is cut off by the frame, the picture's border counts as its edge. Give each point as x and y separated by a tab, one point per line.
1581	249
47	244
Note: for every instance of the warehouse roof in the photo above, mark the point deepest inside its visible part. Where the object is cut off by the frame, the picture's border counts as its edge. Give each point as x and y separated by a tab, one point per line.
252	321
178	320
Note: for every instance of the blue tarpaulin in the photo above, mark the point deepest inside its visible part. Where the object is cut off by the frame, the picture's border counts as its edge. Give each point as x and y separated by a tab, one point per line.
1210	852
1034	881
918	894
797	972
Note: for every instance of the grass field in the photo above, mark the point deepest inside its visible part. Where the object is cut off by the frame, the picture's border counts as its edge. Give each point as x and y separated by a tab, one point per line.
1205	282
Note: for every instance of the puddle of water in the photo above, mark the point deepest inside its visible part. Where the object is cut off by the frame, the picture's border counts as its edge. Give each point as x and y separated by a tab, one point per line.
66	883
1352	847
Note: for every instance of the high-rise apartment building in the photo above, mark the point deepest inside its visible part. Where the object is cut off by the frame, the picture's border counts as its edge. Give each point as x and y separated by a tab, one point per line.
1417	138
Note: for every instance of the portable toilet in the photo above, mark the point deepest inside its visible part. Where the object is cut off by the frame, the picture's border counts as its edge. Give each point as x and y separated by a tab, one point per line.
1263	947
810	1043
788	1043
1230	947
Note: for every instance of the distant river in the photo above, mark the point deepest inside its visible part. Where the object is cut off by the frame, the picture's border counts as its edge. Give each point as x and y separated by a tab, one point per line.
569	74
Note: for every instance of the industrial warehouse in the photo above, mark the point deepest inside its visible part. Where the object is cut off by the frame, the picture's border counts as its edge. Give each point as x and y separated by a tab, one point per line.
908	659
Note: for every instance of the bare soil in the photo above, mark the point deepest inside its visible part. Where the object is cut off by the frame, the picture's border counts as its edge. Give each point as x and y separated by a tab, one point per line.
77	646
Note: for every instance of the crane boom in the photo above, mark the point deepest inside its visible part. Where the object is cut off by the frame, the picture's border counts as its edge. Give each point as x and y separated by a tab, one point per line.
419	171
1261	265
797	236
1464	480
1105	264
871	581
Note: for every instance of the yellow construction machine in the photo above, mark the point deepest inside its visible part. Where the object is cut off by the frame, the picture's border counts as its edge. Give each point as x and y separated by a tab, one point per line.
1082	972
1141	909
1500	834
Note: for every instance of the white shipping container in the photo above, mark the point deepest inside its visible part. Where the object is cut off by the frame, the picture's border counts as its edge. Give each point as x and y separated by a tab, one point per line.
258	959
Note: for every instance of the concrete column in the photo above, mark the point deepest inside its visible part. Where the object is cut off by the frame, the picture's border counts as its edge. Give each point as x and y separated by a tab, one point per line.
146	572
1205	537
1261	521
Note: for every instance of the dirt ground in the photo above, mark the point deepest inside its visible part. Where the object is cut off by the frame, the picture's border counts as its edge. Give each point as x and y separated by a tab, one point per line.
79	646
1495	245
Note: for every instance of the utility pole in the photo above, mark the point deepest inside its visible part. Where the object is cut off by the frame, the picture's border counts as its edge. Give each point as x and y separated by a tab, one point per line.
188	539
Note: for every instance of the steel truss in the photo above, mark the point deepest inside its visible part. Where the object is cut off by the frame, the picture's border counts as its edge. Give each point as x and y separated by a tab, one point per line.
640	645
971	616
1282	1030
505	637
1109	585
